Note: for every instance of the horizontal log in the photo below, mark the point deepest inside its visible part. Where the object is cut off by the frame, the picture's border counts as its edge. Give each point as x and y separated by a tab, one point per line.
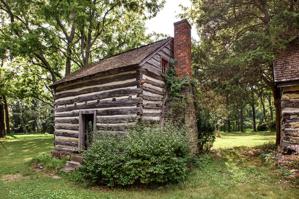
65	143
152	72
118	119
66	148
89	80
103	95
104	104
151	118
152	106
148	81
66	114
151	115
289	104
148	89
67	134
67	127
96	89
67	139
152	98
123	111
67	120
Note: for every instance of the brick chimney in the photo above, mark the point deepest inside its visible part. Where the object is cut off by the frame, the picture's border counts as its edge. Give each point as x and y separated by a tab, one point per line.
182	48
183	57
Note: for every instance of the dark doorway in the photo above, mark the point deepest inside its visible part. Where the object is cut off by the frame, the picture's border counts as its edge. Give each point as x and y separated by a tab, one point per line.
88	125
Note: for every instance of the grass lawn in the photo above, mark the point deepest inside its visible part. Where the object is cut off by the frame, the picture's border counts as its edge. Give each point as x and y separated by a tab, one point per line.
225	173
250	139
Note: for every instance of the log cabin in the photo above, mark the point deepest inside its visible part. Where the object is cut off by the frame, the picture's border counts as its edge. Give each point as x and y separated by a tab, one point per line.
115	93
286	77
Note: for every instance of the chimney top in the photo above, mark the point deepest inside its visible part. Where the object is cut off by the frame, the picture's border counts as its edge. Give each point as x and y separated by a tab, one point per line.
185	21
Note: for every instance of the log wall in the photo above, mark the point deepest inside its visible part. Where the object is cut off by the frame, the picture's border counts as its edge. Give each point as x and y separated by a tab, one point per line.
290	120
153	85
115	97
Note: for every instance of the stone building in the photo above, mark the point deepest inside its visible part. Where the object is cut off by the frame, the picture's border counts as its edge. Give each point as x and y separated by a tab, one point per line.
286	77
113	94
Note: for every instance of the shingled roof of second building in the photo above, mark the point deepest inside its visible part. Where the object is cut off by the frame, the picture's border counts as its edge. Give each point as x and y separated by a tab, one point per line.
286	67
128	58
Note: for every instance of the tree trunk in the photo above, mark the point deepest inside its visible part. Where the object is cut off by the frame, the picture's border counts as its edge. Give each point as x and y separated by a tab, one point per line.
270	107
264	109
6	115
2	129
277	95
241	120
253	112
229	126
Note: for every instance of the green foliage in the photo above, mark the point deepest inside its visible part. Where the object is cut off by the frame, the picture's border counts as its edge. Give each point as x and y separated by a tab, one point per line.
46	161
215	176
174	84
148	155
206	129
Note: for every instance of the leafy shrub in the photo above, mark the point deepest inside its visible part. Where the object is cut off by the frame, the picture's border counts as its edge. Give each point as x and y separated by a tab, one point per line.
46	161
206	131
147	155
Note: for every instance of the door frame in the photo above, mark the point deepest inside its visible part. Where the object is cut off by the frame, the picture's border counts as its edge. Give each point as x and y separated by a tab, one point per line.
82	128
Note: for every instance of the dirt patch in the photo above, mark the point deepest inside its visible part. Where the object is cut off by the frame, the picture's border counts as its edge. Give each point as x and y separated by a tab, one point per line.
13	177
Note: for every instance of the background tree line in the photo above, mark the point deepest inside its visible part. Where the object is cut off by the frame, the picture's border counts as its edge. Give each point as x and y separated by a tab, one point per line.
239	40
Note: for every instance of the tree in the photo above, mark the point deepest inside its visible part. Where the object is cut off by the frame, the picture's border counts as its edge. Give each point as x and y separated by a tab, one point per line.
247	35
57	35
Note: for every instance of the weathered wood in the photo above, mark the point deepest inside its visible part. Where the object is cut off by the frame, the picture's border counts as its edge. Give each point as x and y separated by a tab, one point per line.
290	104
148	81
105	104
117	119
67	134
152	90
167	51
67	127
155	63
123	111
65	143
151	119
152	72
103	95
66	148
67	120
66	114
151	115
77	83
152	106
152	98
96	89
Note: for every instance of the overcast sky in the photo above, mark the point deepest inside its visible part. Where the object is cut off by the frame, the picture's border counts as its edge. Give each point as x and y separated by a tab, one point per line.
163	22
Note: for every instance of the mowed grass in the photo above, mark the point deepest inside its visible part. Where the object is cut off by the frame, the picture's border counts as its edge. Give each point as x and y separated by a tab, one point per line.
229	173
249	139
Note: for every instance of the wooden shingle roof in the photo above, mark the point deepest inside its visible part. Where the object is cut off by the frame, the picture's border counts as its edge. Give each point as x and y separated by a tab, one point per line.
286	67
128	58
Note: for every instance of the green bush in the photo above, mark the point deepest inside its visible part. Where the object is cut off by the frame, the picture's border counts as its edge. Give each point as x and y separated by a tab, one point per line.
47	162
148	155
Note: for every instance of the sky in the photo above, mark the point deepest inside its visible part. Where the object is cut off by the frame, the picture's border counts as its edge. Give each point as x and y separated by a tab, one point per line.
163	22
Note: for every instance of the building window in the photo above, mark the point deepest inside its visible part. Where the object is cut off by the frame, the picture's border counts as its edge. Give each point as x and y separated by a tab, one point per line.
164	64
